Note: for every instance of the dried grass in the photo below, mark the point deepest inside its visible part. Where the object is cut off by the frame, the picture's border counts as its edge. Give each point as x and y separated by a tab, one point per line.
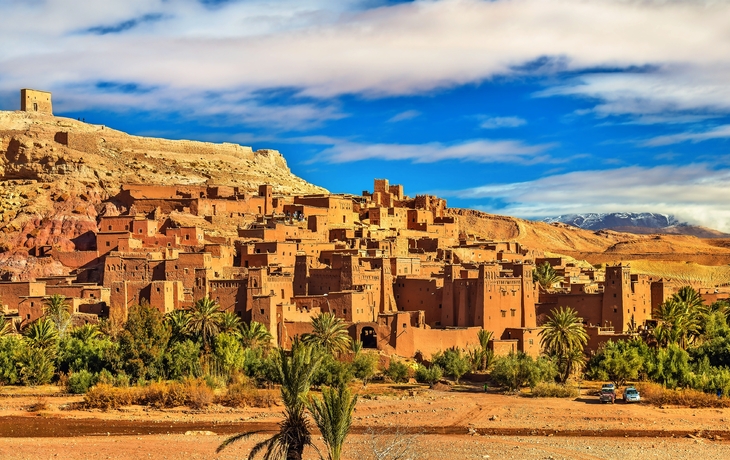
657	395
247	395
40	404
193	393
554	390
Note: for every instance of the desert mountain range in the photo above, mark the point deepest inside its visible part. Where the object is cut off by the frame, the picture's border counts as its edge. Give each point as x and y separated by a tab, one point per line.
57	175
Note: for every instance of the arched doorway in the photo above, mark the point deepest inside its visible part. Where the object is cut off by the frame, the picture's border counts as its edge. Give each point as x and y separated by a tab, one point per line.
368	338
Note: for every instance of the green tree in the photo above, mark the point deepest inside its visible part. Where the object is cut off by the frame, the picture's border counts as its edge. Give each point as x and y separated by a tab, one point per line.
296	372
517	370
428	375
364	366
564	338
36	368
616	361
333	416
142	342
205	321
56	310
178	322
397	371
486	355
86	332
453	362
679	322
93	355
255	335
670	366
11	348
546	276
6	327
329	332
42	334
230	324
228	353
182	359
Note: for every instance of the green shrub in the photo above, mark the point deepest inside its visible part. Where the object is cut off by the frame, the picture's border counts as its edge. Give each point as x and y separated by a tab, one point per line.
93	355
11	348
364	366
428	375
79	382
398	371
228	353
182	360
554	390
454	363
517	370
332	372
36	368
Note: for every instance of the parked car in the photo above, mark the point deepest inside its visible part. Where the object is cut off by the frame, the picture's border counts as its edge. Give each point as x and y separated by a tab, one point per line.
631	394
607	395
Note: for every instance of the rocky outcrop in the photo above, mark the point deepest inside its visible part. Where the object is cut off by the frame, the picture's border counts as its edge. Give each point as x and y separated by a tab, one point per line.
57	173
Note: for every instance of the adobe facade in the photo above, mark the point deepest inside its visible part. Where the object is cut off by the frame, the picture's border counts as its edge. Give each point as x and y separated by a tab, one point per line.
32	100
394	268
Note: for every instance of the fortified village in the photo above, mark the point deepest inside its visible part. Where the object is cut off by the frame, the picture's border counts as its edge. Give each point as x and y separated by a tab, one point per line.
395	268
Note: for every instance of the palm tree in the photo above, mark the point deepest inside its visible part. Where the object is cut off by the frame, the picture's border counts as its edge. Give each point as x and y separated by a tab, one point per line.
546	276
255	335
42	334
563	337
230	324
333	416
179	321
296	372
679	322
86	332
6	327
487	355
330	333
56	309
205	321
356	347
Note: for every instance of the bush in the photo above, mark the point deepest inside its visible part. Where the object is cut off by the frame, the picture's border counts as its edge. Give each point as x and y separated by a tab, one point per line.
199	394
182	360
79	382
36	368
11	348
260	366
426	375
517	370
554	390
657	395
453	362
616	361
398	372
246	395
228	353
332	372
105	397
93	355
364	366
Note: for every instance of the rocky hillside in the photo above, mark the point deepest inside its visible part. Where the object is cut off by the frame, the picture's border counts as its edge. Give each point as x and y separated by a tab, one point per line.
56	173
603	246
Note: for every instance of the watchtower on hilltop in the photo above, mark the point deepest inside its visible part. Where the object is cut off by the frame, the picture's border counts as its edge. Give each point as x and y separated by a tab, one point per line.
32	100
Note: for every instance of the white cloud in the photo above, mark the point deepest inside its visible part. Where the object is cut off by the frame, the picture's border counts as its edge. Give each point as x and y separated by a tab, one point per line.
479	150
719	132
502	122
695	193
406	115
326	47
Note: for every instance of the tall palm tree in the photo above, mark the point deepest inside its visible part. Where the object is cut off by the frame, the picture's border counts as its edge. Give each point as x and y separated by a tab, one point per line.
179	321
333	416
546	276
255	335
679	322
86	332
42	334
487	355
205	320
230	324
329	332
563	337
296	372
56	309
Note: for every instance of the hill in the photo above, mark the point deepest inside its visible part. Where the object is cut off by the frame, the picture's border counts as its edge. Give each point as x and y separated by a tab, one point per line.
643	223
56	174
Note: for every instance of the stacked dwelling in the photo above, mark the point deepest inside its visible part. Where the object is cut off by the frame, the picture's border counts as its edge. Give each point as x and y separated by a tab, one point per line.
394	268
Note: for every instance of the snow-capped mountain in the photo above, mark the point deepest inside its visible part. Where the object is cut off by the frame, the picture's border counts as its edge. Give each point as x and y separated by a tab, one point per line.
600	221
635	222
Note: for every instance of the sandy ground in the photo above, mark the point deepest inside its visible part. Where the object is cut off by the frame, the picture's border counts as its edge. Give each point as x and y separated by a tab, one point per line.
437	425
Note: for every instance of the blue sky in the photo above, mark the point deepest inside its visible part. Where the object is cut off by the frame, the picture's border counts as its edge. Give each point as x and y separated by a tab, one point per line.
519	107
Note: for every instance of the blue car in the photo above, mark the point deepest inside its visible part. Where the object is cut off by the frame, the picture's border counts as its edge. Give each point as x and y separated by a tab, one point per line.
631	394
